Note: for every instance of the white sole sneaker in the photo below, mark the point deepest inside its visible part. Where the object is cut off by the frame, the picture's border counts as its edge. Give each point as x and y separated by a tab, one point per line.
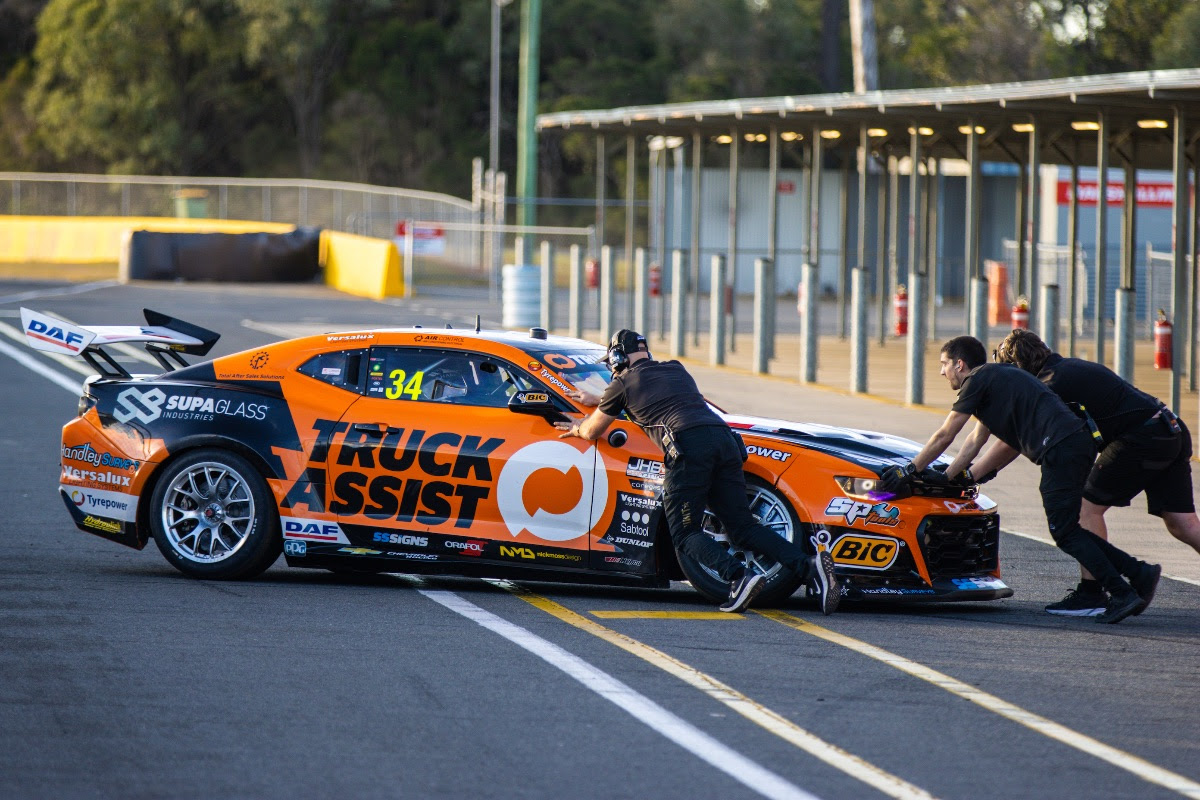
747	590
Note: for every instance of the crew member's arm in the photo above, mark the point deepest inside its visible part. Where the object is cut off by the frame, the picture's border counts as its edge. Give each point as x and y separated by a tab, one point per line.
592	427
998	456
942	438
584	398
971	447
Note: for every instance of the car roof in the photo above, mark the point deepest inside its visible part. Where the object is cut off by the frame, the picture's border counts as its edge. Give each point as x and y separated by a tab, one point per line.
530	342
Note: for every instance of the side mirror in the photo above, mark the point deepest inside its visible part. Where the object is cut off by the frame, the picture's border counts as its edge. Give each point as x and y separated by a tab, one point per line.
538	404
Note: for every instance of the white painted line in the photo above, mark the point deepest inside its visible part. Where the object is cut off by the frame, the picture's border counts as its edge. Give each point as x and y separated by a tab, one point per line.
1048	728
1049	541
857	768
749	773
57	291
32	363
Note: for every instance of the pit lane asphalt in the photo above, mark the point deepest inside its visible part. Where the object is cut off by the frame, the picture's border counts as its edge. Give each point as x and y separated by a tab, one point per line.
121	678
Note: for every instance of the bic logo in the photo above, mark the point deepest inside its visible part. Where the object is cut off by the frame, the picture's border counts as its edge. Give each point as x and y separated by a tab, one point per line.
535	397
293	548
868	552
515	552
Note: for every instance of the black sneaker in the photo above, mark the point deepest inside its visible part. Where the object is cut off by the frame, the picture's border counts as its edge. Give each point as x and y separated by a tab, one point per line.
1082	601
828	586
1146	583
743	591
1121	606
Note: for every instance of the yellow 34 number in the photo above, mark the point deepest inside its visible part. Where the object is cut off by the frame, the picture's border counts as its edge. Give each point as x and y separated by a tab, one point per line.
399	389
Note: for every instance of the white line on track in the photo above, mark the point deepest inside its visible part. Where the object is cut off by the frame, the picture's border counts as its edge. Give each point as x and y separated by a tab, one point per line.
74	387
58	290
1049	541
681	732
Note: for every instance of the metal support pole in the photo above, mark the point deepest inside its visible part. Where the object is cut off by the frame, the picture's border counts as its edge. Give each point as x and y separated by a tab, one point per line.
1035	224
858	330
979	304
607	292
1073	254
678	304
547	286
601	188
1193	275
762	297
1123	335
630	191
1180	268
1048	300
915	346
972	267
641	316
1100	293
716	316
843	295
661	258
893	253
409	272
694	245
1021	284
772	233
1129	257
863	157
575	309
809	288
882	285
933	266
731	272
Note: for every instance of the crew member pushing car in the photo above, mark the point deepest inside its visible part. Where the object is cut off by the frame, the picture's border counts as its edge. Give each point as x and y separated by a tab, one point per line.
702	458
1029	419
1144	446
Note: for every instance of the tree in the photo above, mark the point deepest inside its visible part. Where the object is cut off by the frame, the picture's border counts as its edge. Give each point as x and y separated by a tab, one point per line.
1178	46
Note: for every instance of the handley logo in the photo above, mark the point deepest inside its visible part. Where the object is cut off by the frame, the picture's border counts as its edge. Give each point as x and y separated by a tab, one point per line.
868	552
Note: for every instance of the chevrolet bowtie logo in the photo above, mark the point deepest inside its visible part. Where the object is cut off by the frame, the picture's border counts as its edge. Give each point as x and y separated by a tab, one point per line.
360	551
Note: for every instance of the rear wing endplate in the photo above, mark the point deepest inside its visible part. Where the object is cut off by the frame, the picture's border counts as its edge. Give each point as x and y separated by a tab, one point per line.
164	337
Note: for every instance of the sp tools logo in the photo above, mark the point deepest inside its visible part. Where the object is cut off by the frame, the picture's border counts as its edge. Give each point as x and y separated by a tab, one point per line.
870	513
143	406
868	552
544	510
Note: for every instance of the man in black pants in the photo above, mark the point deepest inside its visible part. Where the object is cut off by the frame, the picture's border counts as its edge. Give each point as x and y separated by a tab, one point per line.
1028	419
703	462
1144	446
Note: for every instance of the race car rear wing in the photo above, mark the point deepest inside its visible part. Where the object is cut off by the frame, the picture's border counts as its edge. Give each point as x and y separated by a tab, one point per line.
164	337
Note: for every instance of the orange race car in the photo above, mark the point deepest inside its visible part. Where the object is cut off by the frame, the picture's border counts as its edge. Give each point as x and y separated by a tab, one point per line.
433	451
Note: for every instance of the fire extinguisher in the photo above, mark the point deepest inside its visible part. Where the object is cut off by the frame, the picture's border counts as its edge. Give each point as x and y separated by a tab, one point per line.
655	279
900	310
1020	314
591	269
1163	341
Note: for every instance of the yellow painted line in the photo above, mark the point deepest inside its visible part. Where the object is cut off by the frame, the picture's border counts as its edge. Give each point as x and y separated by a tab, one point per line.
834	756
665	615
1119	758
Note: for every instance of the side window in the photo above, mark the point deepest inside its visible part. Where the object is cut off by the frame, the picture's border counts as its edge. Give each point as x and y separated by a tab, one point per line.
441	376
342	368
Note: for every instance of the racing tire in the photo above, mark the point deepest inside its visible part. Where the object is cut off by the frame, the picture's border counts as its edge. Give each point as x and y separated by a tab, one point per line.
212	516
772	509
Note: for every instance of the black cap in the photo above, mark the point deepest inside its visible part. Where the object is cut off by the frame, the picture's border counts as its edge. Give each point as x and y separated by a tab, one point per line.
628	341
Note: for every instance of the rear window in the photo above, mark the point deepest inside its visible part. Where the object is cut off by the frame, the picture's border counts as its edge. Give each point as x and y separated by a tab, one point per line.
342	368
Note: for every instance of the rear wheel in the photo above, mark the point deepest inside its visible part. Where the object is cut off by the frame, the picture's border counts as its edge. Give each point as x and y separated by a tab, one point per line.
211	515
773	510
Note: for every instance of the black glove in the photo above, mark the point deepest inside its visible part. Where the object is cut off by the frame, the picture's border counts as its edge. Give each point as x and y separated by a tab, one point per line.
893	478
936	475
984	478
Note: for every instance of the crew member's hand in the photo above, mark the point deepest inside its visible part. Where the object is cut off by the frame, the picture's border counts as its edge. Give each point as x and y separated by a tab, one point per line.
936	475
570	428
896	477
584	398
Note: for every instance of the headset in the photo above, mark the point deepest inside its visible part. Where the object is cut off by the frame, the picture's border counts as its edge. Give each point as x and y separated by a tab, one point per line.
624	342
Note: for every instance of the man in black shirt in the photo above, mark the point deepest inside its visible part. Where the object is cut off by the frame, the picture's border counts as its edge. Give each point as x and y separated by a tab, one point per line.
1143	447
703	467
1028	419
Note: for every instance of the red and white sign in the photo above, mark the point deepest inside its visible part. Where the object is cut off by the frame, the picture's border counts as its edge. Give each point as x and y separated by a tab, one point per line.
786	187
428	240
1150	195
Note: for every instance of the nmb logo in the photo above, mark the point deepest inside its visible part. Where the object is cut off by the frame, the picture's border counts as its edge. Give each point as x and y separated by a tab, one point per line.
868	552
515	552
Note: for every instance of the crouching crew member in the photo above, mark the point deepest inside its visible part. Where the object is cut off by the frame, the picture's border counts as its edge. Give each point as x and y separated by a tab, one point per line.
1029	419
703	467
1144	447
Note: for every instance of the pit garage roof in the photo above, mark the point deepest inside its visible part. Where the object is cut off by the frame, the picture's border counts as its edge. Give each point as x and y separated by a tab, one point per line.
1127	99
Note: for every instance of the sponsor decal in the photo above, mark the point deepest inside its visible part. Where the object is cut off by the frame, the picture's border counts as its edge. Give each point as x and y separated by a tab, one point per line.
533	397
316	530
259	360
868	552
412	556
766	452
560	361
634	523
332	372
360	551
117	505
955	508
47	330
97	524
516	552
94	476
561	457
547	375
870	513
294	548
470	547
438	338
86	453
350	337
637	501
630	542
629	562
883	590
401	538
153	404
645	469
979	583
428	477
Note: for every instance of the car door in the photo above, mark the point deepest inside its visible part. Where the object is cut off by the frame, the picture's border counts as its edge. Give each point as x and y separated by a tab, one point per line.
432	461
626	525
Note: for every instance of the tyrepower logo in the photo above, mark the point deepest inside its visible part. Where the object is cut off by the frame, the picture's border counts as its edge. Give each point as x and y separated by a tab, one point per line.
868	552
471	547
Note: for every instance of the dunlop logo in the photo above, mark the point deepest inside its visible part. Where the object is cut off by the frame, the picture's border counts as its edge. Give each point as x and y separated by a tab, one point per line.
867	552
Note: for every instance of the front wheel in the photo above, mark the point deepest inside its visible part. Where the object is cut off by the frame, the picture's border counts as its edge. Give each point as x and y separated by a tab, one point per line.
211	515
770	508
